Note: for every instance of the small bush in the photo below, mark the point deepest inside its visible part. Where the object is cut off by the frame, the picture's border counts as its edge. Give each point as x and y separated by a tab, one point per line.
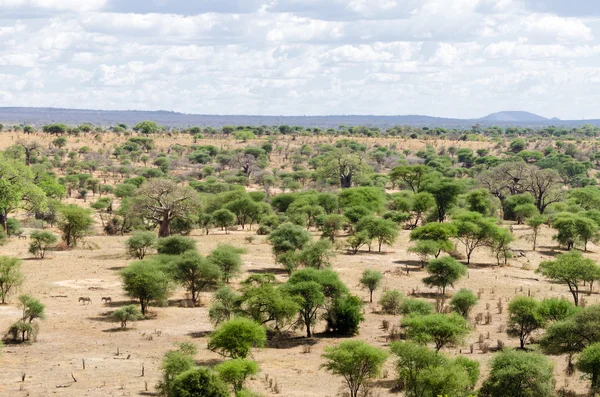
41	242
127	314
140	243
13	227
391	302
175	245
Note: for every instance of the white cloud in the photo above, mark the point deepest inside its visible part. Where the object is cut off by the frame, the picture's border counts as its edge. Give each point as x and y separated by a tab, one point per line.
459	58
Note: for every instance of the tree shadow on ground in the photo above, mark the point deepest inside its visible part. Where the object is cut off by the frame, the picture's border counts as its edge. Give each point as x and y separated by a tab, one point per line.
211	362
105	317
389	384
265	270
411	265
199	334
283	342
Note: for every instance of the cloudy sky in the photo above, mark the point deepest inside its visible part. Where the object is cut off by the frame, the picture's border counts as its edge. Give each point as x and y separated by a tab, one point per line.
452	58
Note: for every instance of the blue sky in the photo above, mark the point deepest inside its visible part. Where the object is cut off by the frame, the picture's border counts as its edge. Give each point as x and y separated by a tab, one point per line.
453	58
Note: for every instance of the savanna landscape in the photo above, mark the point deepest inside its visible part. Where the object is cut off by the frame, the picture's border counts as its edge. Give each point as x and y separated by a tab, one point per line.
258	261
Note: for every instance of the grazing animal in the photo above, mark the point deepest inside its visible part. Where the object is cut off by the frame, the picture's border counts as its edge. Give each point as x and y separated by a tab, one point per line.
106	299
22	237
85	300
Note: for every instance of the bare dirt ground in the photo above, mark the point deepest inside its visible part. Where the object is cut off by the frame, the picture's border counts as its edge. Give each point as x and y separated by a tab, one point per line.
114	359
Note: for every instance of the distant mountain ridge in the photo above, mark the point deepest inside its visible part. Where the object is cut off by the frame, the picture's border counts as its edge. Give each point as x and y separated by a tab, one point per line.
514	116
41	116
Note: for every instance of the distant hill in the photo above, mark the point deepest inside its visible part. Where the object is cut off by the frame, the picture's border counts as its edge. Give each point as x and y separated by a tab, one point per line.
514	116
41	116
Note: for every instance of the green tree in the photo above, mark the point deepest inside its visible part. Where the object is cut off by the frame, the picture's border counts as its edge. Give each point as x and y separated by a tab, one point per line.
317	254
40	242
382	230
127	314
175	245
223	218
555	309
355	361
588	362
436	234
411	176
195	273
225	305
146	127
572	269
344	315
519	374
445	192
474	231
463	301
266	303
199	381
235	372
288	237
228	259
535	222
11	276
139	244
443	272
313	289
32	308
18	189
236	337
441	329
75	223
146	281
371	279
523	318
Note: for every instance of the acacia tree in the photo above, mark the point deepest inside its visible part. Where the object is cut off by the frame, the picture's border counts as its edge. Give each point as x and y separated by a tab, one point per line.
356	361
524	318
371	279
10	276
195	273
75	223
443	272
474	230
146	281
572	269
162	200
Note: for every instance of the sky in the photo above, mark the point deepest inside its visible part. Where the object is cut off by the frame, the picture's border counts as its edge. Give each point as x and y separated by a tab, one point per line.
447	58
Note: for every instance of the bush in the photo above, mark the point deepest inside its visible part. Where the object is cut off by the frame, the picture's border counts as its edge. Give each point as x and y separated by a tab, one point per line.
236	337
175	245
139	244
41	242
391	301
199	381
183	226
235	372
345	315
415	306
75	223
519	373
13	227
127	314
463	301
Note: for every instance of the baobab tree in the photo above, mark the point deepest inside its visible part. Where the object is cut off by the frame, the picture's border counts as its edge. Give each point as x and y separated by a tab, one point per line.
162	200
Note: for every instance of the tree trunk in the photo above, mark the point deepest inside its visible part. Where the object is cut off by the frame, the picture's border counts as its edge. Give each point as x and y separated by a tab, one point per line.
164	230
3	218
370	297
